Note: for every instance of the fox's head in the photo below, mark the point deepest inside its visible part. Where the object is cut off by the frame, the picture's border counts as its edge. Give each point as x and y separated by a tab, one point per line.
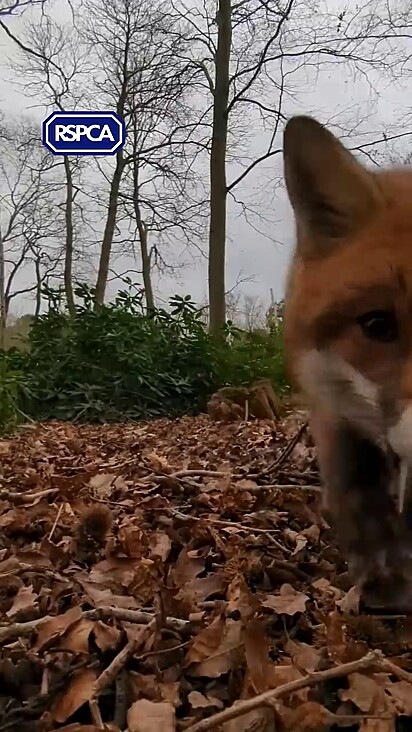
348	318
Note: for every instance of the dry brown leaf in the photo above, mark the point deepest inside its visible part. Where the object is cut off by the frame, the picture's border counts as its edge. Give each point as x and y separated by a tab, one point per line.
80	690
307	717
259	665
288	602
107	637
187	567
51	629
198	700
76	639
261	719
148	716
76	727
296	539
200	588
350	602
148	686
104	598
304	656
158	462
24	602
363	691
102	485
377	725
160	545
240	598
312	533
401	694
215	650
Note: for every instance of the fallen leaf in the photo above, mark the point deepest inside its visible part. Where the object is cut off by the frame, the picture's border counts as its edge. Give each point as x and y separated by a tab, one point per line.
25	601
259	664
240	598
51	629
76	727
198	700
79	691
160	545
363	691
401	694
200	588
76	639
308	717
148	716
215	650
107	637
288	602
261	719
350	602
187	568
377	725
102	485
304	656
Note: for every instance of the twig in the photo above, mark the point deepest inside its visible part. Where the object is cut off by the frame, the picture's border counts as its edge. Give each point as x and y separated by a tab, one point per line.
277	464
226	524
22	630
95	714
291	487
25	497
395	670
107	677
245	706
59	513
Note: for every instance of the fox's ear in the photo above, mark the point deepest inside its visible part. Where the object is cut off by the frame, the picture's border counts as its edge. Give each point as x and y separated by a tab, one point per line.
331	193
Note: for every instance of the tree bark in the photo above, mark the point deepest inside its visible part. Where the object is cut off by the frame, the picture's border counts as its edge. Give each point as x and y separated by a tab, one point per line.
3	315
144	251
107	242
218	186
68	253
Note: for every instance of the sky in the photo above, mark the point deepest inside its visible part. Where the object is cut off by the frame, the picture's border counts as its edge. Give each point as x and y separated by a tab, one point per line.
258	254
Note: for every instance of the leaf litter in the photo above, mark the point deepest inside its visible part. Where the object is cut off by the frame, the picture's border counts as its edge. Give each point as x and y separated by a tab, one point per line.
178	575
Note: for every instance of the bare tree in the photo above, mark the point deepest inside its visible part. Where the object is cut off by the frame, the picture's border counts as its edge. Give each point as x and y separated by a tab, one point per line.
30	226
53	65
251	55
140	73
18	6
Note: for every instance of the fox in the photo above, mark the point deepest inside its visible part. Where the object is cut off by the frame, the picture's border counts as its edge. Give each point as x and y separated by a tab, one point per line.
348	342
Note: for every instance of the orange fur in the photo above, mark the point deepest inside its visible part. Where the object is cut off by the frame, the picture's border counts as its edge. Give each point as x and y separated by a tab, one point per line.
353	259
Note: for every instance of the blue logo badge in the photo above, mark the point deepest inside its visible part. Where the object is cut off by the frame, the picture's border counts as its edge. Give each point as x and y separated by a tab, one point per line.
83	133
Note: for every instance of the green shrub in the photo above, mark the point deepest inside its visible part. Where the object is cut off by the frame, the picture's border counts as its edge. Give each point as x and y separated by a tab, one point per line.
117	363
13	383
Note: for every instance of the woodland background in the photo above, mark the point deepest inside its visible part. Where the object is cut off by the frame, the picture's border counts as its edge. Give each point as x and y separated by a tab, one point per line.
205	88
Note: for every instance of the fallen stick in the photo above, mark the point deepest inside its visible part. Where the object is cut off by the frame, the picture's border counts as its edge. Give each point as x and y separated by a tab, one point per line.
110	673
6	495
22	630
245	706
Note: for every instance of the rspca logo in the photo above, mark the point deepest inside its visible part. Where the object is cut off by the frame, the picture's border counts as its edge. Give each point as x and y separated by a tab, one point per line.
83	133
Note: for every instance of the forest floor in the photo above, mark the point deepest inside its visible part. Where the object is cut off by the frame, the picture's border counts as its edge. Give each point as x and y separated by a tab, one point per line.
178	575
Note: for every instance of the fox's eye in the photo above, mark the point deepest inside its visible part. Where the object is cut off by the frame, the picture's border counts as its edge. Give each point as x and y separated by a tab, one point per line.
379	325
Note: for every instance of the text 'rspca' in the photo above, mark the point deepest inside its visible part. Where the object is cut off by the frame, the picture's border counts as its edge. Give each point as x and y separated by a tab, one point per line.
83	133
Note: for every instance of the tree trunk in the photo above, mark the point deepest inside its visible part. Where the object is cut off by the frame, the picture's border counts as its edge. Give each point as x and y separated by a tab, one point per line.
3	316
68	254
218	188
38	288
107	242
144	251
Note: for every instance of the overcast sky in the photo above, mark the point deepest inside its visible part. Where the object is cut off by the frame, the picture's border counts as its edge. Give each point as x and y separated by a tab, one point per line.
261	251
